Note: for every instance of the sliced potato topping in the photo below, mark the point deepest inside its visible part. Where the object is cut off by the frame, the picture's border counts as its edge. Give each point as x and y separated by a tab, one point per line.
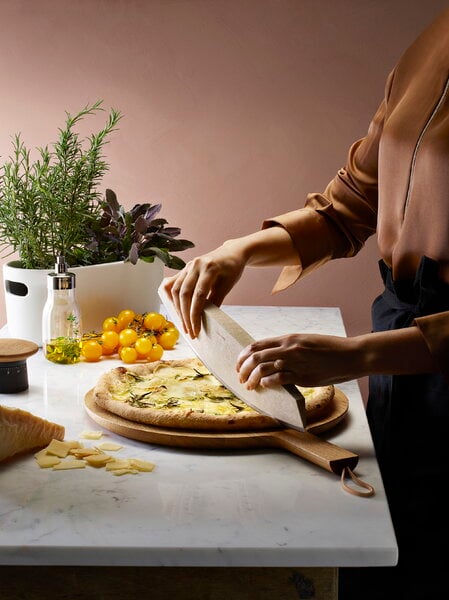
178	388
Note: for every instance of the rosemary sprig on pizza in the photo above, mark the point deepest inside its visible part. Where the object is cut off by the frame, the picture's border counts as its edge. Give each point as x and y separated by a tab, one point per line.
183	394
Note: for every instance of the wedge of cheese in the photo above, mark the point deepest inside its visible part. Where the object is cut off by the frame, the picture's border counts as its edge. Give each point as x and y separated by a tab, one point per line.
21	431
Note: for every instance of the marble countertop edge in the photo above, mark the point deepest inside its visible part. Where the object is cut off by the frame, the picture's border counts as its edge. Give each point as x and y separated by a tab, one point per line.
196	557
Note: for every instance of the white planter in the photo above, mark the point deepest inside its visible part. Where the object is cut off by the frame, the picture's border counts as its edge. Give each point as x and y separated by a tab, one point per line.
101	291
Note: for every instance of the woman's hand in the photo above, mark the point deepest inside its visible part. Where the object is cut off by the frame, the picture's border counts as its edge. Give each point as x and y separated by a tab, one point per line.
207	277
213	275
312	360
302	359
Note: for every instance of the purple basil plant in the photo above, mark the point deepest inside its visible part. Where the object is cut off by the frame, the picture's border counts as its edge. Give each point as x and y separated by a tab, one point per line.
135	234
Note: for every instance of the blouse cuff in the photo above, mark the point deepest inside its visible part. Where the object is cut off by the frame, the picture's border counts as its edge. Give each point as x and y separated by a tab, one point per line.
308	229
435	330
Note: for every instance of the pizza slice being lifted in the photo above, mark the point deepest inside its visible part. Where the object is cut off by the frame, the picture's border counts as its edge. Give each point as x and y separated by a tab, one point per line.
183	394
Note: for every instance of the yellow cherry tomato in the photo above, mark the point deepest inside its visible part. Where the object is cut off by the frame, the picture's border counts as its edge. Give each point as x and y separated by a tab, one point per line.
110	324
110	340
128	354
127	337
154	321
108	351
125	318
91	351
156	352
168	338
144	345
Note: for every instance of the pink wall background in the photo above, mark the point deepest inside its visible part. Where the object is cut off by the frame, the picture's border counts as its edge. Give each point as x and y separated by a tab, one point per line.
233	109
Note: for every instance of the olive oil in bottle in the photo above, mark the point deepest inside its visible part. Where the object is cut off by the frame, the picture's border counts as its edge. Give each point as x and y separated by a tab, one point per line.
61	319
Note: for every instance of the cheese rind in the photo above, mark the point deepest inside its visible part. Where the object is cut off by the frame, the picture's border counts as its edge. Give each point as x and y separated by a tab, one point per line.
21	431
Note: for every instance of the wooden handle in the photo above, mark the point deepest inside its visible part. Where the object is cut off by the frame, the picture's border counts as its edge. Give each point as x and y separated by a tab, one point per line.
318	451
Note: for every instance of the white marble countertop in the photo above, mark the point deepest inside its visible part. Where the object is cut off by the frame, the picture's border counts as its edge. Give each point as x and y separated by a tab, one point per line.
197	508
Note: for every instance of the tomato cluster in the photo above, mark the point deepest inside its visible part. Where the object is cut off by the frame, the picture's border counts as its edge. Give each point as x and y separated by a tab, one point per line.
134	337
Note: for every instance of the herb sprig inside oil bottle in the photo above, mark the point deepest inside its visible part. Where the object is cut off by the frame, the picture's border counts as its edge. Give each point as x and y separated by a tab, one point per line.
61	319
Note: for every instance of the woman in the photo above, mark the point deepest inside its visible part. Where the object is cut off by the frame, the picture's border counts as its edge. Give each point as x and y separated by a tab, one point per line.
395	183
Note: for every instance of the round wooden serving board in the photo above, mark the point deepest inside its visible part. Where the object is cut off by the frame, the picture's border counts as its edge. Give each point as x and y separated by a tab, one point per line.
289	439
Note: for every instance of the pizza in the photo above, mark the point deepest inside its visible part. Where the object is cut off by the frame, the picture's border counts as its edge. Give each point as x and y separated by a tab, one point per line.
184	394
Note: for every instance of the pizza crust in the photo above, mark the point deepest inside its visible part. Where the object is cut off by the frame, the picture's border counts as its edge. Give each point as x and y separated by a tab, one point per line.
318	400
123	391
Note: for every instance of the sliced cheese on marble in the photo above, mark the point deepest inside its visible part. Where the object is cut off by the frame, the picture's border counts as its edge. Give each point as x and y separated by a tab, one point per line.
109	446
91	435
98	460
119	472
70	463
141	465
122	463
61	448
45	461
83	452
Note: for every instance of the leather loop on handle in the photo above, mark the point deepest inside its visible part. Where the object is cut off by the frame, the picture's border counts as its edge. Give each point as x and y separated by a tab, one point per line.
324	454
351	490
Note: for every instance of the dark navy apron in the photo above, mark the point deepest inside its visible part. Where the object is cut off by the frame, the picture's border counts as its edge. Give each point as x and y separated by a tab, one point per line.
409	421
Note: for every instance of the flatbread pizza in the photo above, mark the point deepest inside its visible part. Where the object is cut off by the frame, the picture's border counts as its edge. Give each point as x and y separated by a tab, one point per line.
183	394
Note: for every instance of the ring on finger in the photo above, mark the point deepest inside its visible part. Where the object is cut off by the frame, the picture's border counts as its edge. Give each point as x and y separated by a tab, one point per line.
278	365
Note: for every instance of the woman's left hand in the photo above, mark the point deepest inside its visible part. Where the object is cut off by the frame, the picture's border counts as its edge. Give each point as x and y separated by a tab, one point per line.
308	360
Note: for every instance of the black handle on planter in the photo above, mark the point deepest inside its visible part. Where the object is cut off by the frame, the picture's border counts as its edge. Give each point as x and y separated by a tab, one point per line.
16	288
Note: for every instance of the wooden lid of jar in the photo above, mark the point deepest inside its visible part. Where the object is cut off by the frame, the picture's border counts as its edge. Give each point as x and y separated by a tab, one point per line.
15	350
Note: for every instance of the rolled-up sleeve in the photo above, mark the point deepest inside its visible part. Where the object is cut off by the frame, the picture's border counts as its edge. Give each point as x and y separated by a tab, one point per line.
337	222
435	330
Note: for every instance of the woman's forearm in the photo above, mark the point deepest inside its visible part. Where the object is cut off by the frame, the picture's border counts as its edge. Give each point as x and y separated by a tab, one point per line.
315	359
394	352
265	248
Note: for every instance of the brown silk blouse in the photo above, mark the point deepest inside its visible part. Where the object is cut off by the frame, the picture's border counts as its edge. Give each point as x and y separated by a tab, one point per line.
395	183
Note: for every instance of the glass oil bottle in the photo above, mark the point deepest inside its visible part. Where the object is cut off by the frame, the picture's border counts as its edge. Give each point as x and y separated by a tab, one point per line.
61	318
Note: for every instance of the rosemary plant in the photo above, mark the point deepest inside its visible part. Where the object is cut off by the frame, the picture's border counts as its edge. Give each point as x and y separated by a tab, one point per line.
48	206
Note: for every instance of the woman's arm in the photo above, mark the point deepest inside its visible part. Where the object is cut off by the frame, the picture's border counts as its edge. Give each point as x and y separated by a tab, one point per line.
212	275
313	360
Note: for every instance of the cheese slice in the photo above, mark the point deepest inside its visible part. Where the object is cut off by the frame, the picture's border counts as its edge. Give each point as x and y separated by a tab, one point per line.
21	431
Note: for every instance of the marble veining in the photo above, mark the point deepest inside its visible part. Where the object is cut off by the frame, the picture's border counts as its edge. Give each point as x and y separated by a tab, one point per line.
259	507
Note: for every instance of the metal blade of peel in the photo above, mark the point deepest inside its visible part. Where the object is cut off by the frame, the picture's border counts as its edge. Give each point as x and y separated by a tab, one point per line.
218	345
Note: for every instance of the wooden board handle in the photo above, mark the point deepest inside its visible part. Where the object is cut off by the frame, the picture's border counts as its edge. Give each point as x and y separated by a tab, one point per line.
318	451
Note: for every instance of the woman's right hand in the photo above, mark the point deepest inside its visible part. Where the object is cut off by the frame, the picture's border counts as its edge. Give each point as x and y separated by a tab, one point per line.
213	275
207	277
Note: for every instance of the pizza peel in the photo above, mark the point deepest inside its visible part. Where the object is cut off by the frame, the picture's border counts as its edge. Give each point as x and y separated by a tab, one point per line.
328	456
303	444
218	345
